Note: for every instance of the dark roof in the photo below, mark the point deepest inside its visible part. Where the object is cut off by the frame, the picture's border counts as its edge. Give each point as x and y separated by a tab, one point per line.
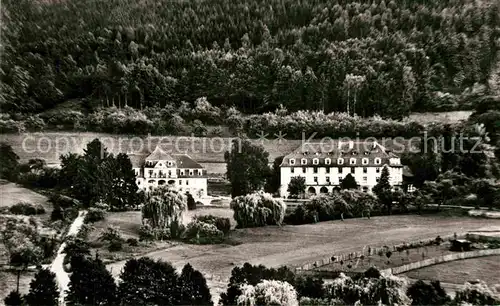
159	154
334	150
185	161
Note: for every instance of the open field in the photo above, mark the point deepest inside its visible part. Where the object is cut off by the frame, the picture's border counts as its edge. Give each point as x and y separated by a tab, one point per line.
445	117
296	245
460	271
12	193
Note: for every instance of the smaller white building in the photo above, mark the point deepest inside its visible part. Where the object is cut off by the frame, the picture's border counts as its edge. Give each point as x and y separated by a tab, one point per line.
178	171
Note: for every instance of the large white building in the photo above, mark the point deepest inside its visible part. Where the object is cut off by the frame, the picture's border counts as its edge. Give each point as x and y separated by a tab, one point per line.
325	165
178	171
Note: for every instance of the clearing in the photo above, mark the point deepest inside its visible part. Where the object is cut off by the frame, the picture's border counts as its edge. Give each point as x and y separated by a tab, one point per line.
444	117
12	193
295	245
460	271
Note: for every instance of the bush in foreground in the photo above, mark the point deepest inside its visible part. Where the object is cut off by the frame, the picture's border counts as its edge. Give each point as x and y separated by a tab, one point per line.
422	293
477	294
268	292
95	215
27	209
258	209
13	299
198	232
222	224
43	289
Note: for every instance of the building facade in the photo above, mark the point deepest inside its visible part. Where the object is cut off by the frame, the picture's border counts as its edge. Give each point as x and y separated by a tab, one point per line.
324	166
178	171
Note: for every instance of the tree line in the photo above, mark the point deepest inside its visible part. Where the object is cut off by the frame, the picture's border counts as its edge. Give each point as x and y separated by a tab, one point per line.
362	57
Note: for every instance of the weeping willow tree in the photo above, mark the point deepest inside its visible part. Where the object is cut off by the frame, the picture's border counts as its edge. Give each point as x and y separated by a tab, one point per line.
258	209
163	208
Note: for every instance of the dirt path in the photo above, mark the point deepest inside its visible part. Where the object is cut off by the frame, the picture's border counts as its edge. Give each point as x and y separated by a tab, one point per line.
57	265
295	245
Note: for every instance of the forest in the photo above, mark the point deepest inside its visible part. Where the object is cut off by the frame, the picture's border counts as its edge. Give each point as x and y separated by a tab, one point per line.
363	57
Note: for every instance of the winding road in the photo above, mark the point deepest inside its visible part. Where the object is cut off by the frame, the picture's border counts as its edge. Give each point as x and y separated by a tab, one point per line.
57	265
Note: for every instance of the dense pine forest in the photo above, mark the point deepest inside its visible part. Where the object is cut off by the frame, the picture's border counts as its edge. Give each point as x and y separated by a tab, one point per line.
364	57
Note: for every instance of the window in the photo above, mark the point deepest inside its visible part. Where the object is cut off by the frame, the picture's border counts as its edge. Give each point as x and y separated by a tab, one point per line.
365	170
182	172
315	169
180	182
150	173
352	161
200	172
353	170
328	179
159	165
377	170
328	161
303	161
365	161
315	179
340	161
377	179
169	172
315	161
340	179
169	163
190	172
292	161
365	178
292	170
340	170
327	169
303	169
378	161
187	182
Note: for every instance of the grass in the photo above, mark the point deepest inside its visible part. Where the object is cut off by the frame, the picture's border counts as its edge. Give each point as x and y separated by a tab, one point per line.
295	245
12	193
458	272
128	224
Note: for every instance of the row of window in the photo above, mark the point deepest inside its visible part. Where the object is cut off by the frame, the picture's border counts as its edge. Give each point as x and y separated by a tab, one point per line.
315	170
340	161
364	179
169	173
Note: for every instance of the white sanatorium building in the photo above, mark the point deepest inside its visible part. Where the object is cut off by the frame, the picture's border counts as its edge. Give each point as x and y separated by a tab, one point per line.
324	165
178	171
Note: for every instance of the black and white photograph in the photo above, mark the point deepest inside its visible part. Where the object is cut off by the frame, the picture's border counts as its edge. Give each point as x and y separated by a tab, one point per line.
249	152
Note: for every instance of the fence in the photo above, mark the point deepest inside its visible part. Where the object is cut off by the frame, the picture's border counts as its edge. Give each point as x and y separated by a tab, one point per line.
438	260
368	251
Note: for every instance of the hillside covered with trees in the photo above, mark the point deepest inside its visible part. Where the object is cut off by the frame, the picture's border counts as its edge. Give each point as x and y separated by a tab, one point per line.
362	57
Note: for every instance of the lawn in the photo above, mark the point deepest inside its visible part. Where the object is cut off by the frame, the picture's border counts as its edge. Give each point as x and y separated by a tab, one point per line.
128	224
460	271
12	193
296	245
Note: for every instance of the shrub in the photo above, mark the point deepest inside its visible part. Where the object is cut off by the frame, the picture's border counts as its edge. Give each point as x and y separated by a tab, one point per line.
477	294
35	123
132	242
94	215
199	129
146	233
309	287
203	233
253	275
216	132
110	235
85	230
422	293
222	224
27	209
11	126
268	292
115	245
13	299
258	209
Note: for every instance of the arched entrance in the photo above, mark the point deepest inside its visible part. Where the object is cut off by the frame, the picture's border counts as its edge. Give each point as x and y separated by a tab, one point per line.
323	190
336	189
171	182
311	190
161	182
